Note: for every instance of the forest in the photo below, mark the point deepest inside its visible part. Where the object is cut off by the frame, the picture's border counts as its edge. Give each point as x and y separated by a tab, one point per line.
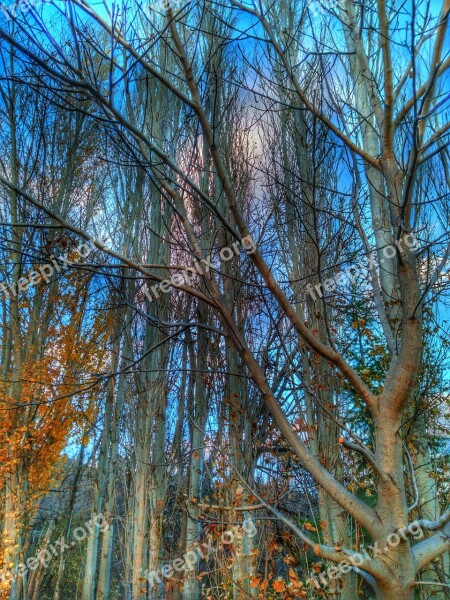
224	299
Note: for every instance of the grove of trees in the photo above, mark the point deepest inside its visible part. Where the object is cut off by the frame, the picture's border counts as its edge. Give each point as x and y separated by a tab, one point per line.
224	294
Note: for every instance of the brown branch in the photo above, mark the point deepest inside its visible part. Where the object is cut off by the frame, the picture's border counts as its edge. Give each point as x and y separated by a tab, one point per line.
374	162
388	84
98	244
420	92
312	340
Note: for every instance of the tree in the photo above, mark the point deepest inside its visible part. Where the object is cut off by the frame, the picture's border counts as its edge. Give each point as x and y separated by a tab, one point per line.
385	129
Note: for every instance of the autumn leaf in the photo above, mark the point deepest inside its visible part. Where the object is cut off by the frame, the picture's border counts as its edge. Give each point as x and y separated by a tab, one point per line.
279	586
263	585
255	581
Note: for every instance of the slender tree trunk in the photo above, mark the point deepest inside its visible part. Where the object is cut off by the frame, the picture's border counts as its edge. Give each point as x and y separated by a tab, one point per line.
198	411
428	501
158	480
90	574
117	404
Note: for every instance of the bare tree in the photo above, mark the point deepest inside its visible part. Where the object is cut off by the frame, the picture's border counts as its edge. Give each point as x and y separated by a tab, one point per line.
378	111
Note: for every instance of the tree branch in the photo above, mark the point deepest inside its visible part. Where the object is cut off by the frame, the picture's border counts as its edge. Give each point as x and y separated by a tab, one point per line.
427	550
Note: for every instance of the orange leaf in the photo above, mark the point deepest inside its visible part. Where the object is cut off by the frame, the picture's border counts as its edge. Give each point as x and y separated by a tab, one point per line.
279	586
263	584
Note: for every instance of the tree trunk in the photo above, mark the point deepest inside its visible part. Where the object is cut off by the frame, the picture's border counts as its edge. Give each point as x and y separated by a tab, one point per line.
117	403
197	407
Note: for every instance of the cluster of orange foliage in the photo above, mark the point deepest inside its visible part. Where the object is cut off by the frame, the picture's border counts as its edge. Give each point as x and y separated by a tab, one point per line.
44	404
